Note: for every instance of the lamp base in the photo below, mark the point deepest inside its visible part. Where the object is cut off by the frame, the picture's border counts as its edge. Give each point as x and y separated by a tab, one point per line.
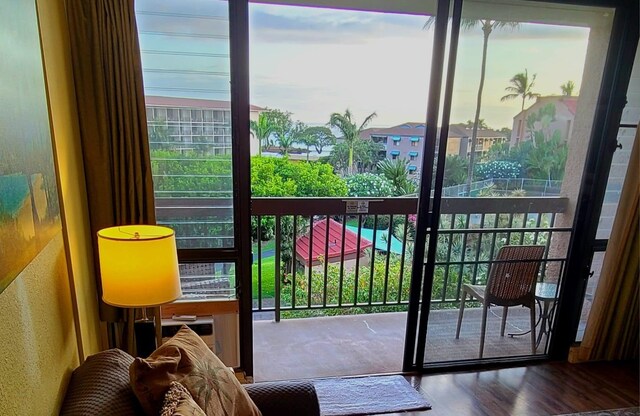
145	337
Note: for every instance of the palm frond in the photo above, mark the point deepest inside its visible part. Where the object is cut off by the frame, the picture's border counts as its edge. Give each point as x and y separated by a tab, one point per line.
509	97
367	121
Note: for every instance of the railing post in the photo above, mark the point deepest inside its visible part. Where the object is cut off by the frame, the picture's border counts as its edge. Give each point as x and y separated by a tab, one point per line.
278	268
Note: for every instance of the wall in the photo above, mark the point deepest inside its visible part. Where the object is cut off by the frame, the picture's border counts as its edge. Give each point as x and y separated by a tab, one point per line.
64	118
48	315
38	349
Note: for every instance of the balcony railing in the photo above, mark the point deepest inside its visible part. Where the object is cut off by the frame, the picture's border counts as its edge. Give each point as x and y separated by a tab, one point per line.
373	273
361	261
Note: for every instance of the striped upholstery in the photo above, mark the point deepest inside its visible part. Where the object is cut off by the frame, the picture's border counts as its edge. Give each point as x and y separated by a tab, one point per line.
100	386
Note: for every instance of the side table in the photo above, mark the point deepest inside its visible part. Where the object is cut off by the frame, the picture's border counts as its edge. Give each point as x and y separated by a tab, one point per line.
546	298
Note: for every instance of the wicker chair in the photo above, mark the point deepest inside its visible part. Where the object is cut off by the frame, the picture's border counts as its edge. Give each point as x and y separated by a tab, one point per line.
511	282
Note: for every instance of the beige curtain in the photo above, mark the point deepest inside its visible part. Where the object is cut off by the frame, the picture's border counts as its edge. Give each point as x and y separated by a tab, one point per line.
107	73
612	328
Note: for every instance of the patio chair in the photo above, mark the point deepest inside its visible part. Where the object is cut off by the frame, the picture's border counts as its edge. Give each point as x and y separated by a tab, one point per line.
511	282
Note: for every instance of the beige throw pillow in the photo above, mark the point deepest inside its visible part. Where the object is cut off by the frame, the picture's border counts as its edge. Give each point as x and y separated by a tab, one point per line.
185	358
178	402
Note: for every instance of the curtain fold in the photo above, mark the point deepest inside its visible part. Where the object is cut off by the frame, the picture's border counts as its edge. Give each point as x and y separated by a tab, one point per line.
612	328
107	73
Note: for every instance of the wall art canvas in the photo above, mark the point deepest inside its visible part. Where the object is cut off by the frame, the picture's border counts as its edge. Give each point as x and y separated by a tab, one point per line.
29	206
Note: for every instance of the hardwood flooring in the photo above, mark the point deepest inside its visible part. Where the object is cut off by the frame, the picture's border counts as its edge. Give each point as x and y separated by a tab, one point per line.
544	389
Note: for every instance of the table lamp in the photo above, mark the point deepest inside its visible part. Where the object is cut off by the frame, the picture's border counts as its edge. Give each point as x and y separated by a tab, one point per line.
139	269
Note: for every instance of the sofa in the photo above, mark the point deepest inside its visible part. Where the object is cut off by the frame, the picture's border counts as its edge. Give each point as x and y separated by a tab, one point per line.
102	386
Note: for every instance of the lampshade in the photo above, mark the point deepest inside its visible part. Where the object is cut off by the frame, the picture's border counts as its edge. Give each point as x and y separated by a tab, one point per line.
139	265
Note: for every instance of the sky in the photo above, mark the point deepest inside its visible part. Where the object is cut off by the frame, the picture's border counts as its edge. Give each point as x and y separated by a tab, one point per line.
312	61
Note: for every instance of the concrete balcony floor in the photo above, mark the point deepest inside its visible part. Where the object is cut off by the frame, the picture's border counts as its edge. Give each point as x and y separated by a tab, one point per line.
373	343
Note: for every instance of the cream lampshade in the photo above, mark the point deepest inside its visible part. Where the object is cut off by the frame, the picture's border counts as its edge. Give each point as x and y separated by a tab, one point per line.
139	265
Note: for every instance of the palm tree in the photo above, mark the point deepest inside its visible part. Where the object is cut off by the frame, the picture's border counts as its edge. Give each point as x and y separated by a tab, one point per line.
487	27
567	88
521	87
287	138
350	130
397	172
262	129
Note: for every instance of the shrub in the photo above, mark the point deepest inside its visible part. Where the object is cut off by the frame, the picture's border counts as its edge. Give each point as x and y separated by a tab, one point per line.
498	169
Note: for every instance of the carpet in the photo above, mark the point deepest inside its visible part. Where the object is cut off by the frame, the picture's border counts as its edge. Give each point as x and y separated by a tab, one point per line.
367	395
629	411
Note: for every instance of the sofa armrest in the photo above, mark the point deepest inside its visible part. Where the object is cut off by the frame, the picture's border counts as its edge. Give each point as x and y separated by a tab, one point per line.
285	398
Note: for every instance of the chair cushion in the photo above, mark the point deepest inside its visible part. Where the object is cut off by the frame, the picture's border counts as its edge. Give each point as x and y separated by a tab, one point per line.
187	359
100	386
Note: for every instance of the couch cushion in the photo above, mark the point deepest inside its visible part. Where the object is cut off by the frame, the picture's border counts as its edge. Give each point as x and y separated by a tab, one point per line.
285	398
100	386
187	359
178	402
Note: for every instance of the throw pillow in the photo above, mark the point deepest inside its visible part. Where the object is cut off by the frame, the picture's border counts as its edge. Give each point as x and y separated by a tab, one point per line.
100	386
178	402
187	359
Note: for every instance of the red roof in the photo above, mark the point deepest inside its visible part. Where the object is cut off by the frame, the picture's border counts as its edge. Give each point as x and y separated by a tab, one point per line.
335	242
571	103
153	100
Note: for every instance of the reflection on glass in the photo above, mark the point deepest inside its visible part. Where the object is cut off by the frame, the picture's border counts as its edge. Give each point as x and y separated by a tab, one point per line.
185	61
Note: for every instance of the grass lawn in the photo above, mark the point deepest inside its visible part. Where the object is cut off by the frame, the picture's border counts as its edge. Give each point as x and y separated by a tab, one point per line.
268	277
266	245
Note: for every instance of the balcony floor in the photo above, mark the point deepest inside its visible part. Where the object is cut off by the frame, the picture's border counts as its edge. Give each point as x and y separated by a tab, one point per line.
373	343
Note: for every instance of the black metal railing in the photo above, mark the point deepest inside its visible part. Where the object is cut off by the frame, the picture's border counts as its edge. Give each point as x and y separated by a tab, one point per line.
289	278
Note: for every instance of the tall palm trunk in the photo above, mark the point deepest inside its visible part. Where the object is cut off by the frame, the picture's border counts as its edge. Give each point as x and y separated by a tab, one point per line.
474	135
350	160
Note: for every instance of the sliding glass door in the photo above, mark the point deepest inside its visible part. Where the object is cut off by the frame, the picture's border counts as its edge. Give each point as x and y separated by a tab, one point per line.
517	92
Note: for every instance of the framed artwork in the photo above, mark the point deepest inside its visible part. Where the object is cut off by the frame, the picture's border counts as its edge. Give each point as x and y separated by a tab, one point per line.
29	206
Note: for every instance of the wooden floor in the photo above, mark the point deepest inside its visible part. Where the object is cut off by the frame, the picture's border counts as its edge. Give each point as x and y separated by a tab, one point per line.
544	389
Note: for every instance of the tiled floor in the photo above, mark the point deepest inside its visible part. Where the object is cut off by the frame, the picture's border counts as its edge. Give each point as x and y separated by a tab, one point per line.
373	343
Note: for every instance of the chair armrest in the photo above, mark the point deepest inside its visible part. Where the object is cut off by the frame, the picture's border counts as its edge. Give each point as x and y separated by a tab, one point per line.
285	398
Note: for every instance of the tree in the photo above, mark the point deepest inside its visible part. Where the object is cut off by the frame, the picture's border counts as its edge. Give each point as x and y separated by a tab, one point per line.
322	137
567	88
481	124
317	137
350	131
282	125
287	138
487	27
521	86
547	159
397	172
262	128
498	151
272	176
455	170
366	155
159	135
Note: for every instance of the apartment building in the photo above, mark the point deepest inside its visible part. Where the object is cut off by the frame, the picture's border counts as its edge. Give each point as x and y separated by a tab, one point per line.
564	113
190	124
405	141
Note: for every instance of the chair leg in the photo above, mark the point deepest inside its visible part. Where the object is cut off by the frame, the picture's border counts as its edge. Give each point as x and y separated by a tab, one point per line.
532	309
505	309
485	309
464	299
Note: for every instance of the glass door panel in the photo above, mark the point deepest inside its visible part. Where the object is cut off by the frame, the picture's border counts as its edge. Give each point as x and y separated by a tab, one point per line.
339	90
527	78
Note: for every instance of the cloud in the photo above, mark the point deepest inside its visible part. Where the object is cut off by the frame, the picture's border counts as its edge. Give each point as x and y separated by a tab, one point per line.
311	25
